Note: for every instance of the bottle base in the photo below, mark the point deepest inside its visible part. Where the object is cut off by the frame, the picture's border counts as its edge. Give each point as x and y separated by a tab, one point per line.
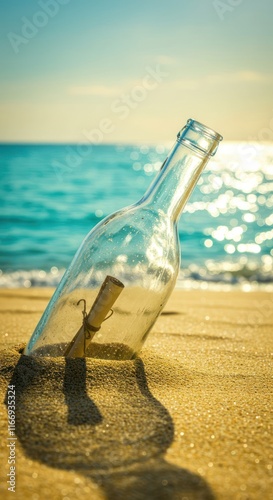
111	351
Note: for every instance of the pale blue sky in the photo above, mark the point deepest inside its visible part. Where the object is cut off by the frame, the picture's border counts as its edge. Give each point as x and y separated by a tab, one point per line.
90	57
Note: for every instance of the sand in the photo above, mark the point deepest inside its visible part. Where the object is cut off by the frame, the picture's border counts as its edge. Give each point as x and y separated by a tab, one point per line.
189	419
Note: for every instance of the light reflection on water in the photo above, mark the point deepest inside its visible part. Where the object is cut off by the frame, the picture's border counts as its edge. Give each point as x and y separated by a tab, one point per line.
225	231
237	191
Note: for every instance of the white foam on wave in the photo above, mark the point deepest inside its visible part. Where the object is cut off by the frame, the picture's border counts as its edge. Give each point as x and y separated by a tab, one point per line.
212	275
32	278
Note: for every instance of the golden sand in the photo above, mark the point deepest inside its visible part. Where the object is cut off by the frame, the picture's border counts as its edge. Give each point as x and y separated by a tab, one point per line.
189	419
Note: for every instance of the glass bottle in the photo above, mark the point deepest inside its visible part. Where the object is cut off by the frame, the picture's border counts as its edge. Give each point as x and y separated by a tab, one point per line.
138	247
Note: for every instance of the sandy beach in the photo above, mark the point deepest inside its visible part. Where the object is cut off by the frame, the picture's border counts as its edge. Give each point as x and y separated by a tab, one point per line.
191	418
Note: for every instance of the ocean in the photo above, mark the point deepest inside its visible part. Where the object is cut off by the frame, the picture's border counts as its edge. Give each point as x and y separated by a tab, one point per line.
51	196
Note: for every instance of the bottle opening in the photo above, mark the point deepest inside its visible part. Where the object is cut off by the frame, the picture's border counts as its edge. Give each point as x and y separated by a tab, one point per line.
199	137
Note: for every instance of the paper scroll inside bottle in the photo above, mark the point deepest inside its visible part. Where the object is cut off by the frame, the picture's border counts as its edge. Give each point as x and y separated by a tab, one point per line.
99	312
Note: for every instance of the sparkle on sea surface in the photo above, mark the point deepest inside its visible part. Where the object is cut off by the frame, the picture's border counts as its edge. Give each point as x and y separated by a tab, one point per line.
225	231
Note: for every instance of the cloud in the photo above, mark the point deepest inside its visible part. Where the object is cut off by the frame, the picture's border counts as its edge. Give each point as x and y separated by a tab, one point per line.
186	84
245	76
239	76
94	90
166	60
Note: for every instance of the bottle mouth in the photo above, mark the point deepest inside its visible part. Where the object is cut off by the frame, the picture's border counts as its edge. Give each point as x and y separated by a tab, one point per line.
199	137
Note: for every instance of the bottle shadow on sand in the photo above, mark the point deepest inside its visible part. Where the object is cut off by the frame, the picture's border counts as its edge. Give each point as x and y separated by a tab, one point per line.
117	439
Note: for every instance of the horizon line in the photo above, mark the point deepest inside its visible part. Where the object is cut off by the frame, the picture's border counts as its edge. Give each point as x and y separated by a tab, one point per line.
80	143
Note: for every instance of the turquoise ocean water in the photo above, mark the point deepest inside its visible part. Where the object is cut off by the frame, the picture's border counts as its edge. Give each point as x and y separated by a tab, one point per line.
52	195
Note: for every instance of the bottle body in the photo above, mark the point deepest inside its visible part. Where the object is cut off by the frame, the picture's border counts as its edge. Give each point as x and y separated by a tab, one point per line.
138	246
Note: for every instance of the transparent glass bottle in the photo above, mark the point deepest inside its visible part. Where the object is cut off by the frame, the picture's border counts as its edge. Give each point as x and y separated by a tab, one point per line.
137	246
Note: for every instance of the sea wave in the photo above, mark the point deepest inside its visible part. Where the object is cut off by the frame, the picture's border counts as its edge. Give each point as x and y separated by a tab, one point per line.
212	275
225	231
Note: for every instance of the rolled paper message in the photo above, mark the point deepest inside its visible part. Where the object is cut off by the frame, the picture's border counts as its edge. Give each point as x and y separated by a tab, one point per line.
107	296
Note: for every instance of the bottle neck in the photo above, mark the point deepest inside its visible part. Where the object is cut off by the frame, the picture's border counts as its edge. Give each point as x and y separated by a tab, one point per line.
181	170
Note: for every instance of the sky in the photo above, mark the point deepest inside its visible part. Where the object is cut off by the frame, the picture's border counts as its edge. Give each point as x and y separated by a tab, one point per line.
75	71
